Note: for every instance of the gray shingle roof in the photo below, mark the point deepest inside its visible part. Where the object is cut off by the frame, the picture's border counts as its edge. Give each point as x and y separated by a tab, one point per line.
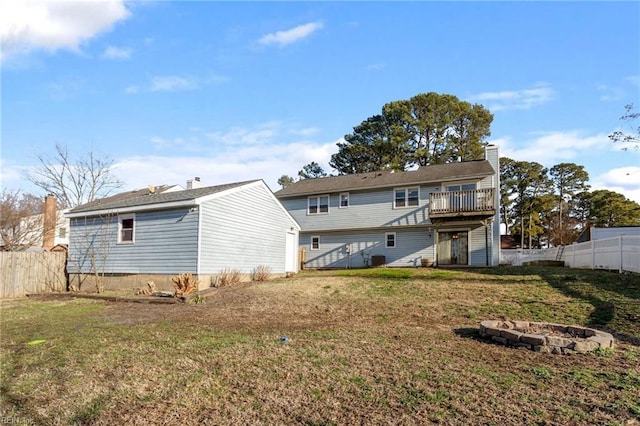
426	174
141	197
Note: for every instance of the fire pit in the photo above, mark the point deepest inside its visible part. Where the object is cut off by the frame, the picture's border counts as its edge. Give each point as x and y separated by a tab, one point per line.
546	337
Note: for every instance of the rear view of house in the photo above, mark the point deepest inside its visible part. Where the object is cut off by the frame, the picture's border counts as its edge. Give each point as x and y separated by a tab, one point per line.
444	214
202	230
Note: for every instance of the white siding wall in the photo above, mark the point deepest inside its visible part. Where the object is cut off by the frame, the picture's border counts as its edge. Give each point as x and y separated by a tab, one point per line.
412	245
165	243
242	230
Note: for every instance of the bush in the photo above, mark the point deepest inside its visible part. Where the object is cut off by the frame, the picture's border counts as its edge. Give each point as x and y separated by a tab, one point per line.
184	284
261	273
227	276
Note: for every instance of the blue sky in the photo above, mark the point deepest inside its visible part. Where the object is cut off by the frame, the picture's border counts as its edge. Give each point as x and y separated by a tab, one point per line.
230	91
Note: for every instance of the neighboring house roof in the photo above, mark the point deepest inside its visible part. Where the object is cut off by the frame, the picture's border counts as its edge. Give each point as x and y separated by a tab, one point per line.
143	199
434	173
600	233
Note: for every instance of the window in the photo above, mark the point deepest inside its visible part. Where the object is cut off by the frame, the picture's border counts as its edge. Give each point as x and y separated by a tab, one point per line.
464	187
344	200
406	197
315	243
62	233
390	239
318	205
126	228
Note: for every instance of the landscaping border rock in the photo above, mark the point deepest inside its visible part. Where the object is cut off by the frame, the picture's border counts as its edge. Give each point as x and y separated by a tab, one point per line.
516	334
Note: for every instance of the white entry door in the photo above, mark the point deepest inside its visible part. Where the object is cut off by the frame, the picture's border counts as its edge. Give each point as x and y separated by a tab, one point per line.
291	253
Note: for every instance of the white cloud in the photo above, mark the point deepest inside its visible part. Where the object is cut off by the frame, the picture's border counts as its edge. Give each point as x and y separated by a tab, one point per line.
625	180
11	175
113	52
552	147
304	132
264	133
610	93
265	151
268	162
175	83
28	25
375	66
285	37
539	94
171	83
633	79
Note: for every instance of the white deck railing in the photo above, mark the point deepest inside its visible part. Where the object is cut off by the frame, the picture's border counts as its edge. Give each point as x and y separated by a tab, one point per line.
468	201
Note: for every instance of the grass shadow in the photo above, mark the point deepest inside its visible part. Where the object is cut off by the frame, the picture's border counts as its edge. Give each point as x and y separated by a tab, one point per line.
613	296
469	333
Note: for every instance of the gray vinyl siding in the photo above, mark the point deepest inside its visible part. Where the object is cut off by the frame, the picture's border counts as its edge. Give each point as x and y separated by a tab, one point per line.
412	245
367	209
477	243
242	230
166	242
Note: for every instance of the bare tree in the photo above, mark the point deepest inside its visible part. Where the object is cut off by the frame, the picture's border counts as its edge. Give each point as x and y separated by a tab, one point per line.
90	247
21	220
75	181
630	138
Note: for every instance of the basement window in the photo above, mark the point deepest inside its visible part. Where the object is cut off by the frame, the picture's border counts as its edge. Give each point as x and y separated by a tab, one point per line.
390	239
315	242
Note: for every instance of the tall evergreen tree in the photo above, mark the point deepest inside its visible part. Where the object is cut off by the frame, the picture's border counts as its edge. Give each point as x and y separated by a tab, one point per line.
427	129
568	180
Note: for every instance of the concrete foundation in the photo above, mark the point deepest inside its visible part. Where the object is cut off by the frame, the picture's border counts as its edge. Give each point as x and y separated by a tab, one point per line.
87	282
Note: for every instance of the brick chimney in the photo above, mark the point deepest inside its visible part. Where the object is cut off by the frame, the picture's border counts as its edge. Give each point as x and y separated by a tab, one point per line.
50	219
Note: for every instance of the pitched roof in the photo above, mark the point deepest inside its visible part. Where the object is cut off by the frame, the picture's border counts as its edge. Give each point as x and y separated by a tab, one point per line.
142	198
434	173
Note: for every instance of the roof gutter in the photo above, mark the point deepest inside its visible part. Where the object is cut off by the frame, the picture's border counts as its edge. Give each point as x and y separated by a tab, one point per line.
133	209
390	185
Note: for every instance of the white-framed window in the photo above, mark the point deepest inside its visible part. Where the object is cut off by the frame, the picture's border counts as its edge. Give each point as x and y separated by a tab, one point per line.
406	197
318	204
344	200
126	228
461	187
62	232
315	242
390	240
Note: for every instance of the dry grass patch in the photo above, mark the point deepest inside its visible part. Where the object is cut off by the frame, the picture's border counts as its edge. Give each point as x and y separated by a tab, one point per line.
365	347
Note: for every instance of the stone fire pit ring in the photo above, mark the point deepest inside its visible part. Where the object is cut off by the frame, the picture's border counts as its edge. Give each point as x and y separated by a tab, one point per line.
546	337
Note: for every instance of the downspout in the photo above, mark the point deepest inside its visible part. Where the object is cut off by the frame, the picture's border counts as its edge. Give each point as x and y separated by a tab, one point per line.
199	243
486	241
435	246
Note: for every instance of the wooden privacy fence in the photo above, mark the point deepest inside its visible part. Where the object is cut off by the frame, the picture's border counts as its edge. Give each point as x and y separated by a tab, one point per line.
23	273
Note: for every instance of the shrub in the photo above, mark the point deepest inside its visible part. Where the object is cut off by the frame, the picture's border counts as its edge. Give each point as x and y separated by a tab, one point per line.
261	273
184	284
227	276
198	299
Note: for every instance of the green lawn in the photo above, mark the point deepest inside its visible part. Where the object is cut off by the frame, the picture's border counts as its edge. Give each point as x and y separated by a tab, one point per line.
368	346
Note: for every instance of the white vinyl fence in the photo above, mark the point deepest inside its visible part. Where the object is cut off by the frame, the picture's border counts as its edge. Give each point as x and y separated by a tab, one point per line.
516	257
615	254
